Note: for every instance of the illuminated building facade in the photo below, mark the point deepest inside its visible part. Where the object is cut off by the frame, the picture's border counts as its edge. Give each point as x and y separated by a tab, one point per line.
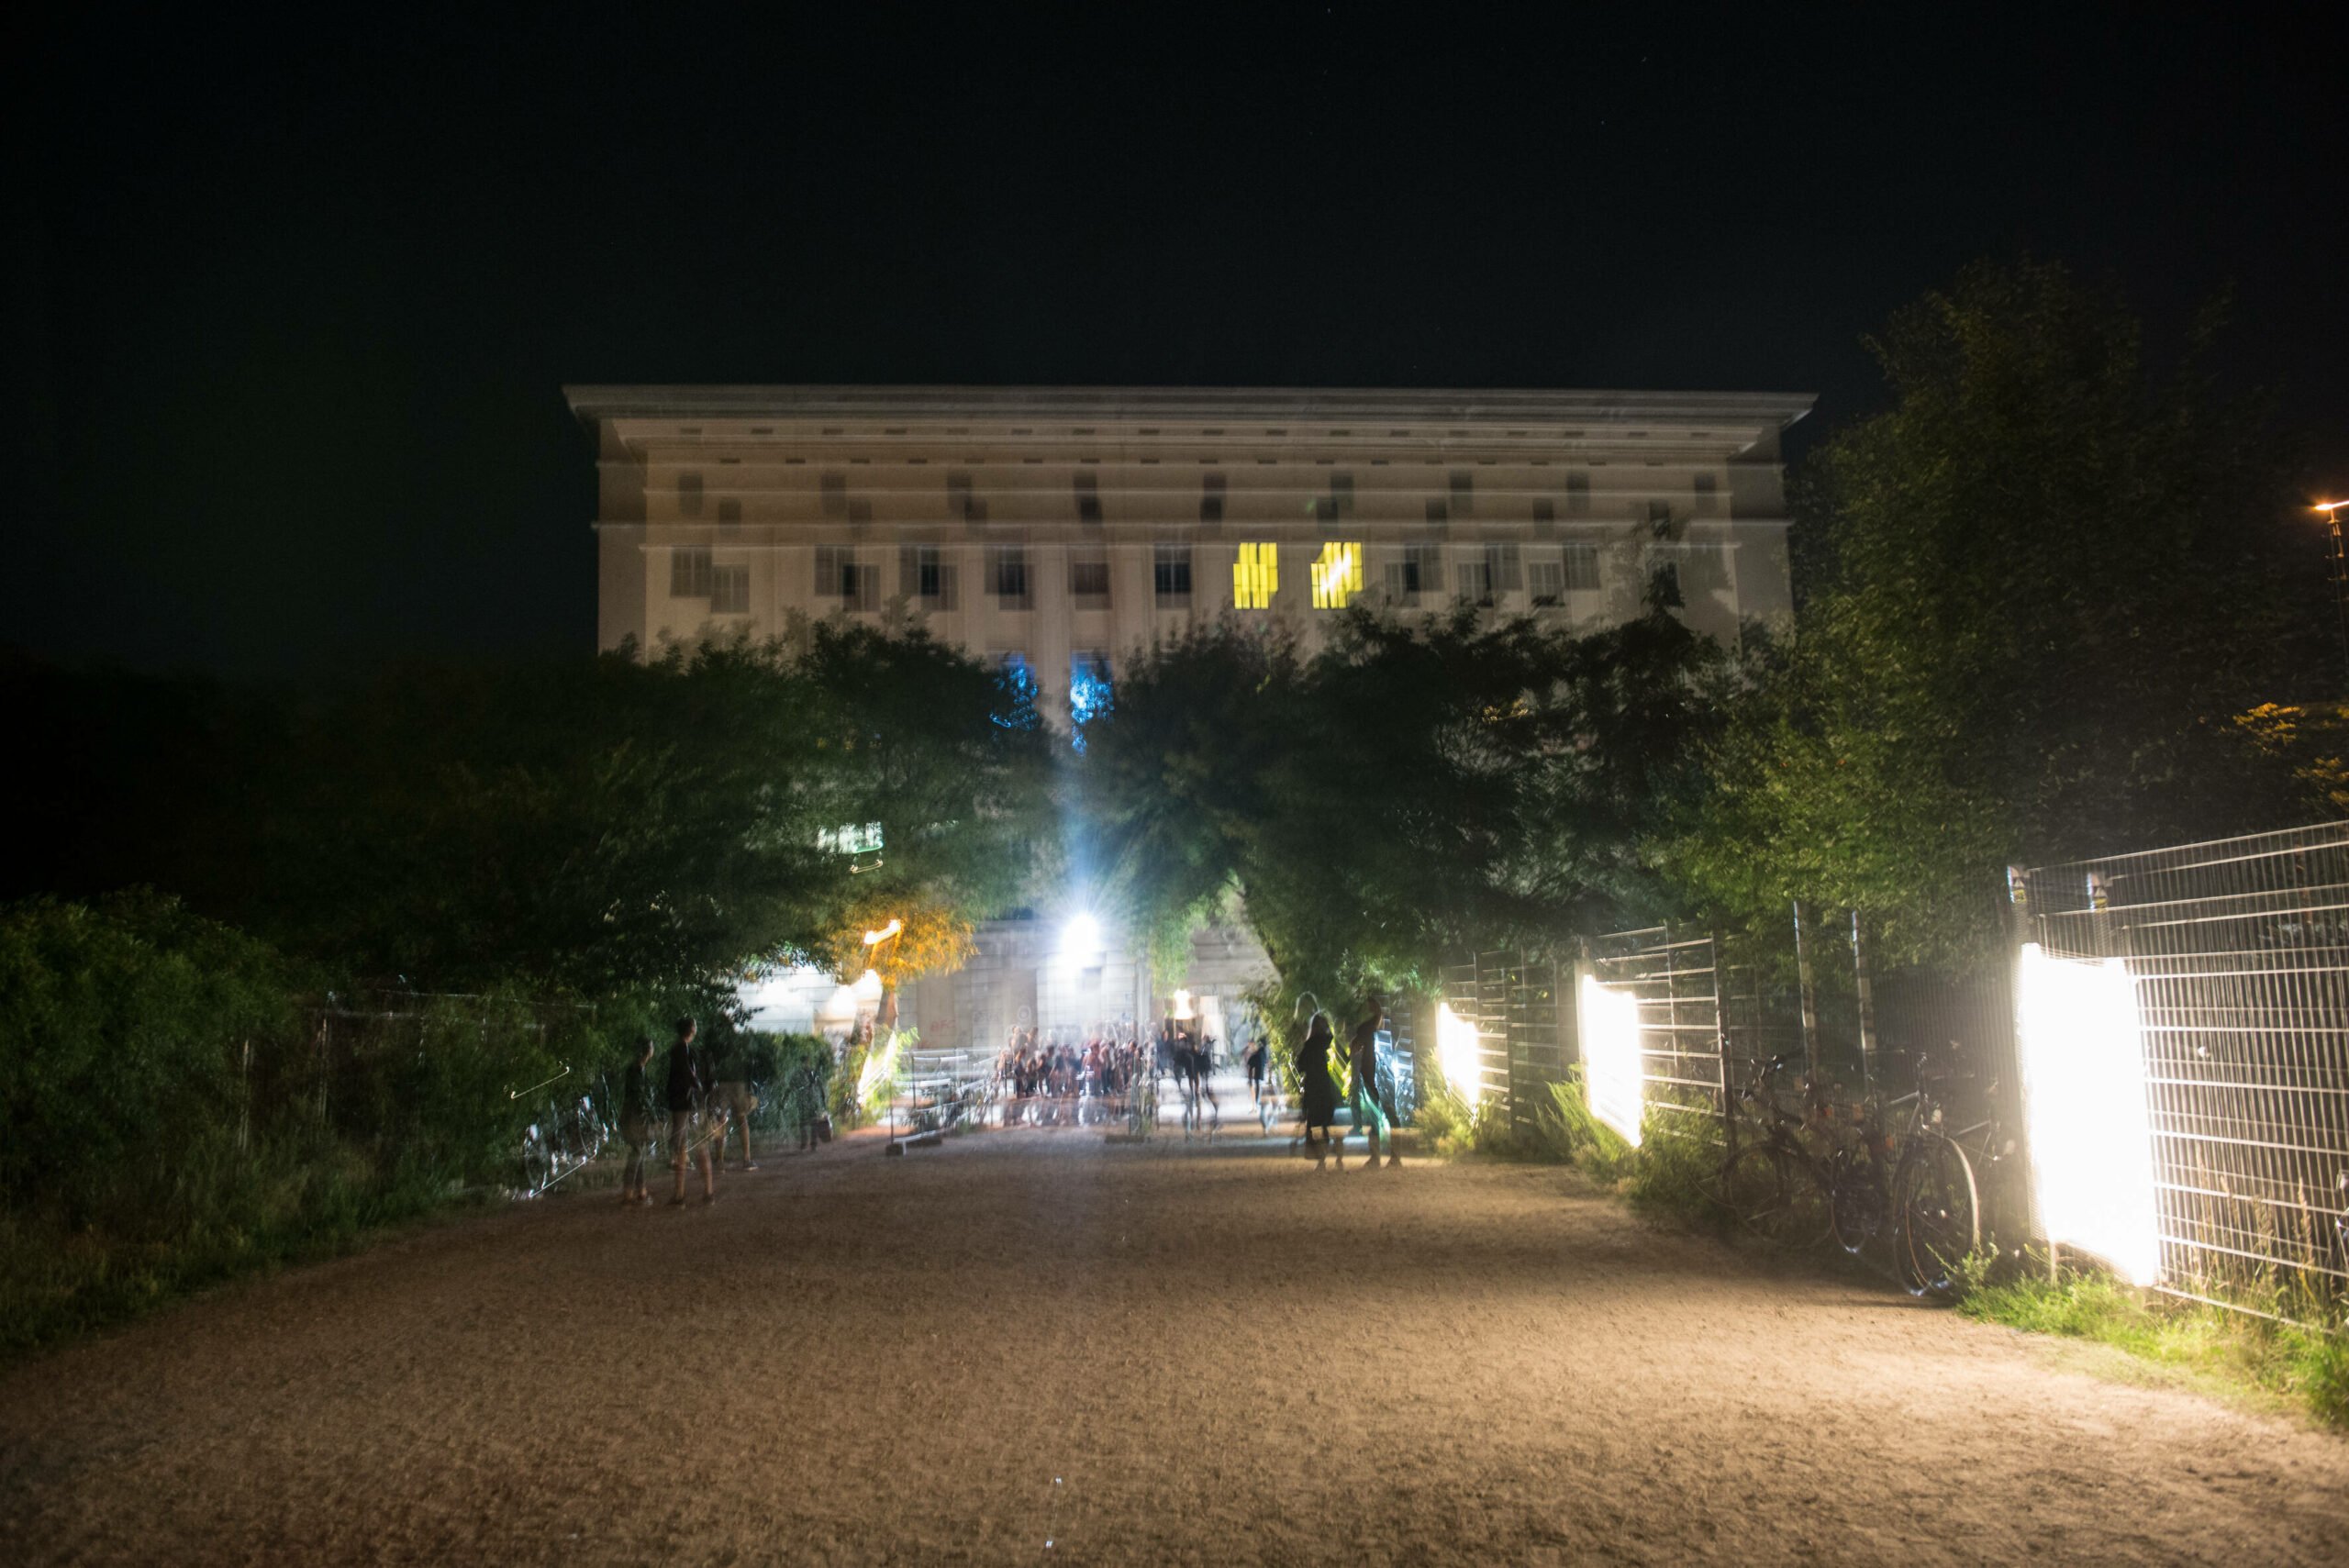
1060	528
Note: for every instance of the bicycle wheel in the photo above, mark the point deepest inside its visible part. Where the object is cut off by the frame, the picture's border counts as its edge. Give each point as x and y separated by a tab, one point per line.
1855	1206
1939	1212
1754	1190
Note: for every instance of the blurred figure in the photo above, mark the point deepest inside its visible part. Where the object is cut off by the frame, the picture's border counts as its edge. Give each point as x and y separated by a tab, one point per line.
636	1123
689	1093
1361	1069
732	1100
1317	1091
1256	1056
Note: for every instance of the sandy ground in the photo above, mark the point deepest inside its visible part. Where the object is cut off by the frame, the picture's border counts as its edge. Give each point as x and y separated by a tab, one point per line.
1035	1346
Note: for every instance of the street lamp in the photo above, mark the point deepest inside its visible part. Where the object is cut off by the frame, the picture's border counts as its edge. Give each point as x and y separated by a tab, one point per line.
2330	510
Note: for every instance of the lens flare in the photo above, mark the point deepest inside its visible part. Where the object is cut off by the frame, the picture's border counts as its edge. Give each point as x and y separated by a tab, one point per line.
1459	1053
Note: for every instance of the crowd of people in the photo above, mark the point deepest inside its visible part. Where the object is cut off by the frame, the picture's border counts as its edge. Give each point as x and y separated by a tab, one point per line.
1046	1082
706	1100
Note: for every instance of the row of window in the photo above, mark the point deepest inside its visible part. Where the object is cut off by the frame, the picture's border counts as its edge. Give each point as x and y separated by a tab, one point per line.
1458	500
930	574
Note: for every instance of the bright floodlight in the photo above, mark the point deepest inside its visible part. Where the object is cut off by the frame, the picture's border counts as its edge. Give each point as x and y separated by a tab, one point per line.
1613	1066
1459	1053
1081	937
2084	1104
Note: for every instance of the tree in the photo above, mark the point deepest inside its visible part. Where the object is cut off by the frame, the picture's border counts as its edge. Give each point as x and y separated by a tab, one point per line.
2032	591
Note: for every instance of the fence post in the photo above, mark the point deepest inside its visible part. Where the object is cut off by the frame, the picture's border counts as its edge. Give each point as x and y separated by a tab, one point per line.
1865	996
1720	1045
1809	994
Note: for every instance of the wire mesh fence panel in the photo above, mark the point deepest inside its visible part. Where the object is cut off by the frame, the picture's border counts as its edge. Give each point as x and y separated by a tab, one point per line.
1524	991
1673	973
1484	1008
2237	952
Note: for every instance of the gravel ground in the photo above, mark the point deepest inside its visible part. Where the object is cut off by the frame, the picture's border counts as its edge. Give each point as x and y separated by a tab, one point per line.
1036	1346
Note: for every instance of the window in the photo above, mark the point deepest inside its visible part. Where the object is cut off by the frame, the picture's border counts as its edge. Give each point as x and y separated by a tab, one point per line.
1088	580
730	590
1325	509
1211	491
689	495
1504	567
1255	576
1170	576
1419	572
1437	512
1088	497
958	495
833	490
1341	490
1463	491
1545	512
729	516
925	574
1546	581
1578	492
1337	575
689	573
1475	580
1659	514
840	575
1008	577
1581	566
1705	492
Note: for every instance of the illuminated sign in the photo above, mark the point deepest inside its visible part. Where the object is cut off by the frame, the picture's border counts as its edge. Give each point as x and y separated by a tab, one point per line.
1612	1067
2084	1102
851	839
1255	576
1337	576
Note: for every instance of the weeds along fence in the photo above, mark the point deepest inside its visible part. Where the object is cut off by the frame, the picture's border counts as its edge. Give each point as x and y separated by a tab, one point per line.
2236	956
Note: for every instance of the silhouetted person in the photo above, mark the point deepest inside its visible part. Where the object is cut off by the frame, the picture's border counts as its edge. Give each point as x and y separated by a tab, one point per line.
688	1091
732	1100
636	1122
1317	1091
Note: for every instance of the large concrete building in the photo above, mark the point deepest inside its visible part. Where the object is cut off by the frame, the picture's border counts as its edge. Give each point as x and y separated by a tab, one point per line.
1062	527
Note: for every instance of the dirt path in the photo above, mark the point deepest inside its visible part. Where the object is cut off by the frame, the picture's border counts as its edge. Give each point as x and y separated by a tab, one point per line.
1030	1346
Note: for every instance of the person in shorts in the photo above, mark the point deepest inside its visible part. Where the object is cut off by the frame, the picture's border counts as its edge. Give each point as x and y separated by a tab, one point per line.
731	1100
689	1092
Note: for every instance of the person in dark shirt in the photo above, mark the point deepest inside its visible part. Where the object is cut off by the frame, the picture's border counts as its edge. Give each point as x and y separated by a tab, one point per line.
636	1123
689	1091
732	1101
1316	1090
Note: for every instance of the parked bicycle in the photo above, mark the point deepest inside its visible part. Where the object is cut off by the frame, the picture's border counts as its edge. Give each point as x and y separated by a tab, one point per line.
1910	1201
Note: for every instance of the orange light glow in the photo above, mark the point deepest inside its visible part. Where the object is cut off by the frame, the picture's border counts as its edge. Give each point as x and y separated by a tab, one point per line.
873	938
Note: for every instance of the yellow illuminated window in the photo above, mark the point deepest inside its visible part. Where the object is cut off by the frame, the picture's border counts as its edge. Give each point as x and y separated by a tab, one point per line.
1337	576
1255	576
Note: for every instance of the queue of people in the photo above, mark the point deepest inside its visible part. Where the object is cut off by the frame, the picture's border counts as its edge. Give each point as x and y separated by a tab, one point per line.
705	1097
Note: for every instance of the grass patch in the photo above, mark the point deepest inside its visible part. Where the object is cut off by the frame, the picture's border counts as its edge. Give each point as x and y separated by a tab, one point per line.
2301	1366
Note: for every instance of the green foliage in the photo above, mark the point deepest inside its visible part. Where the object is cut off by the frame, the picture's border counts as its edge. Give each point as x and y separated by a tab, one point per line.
1416	787
177	1113
2034	591
2308	1367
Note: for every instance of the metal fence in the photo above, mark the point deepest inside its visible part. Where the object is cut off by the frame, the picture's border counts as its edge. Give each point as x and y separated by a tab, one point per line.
1521	1005
2238	951
1675	974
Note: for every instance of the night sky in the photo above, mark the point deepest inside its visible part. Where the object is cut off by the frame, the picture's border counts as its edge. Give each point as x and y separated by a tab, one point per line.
289	301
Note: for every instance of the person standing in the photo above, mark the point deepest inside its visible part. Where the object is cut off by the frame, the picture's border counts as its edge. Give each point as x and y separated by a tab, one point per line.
734	1099
1362	1071
1317	1091
689	1092
636	1123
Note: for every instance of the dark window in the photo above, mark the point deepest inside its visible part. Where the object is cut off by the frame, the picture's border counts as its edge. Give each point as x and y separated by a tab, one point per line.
1463	491
729	590
1504	567
689	495
1210	509
1581	561
730	515
1007	576
959	499
1341	490
1475	578
1437	512
834	488
1325	509
1211	492
1544	509
1659	514
1705	492
924	573
1546	581
1088	579
689	573
1171	574
1088	497
1578	492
